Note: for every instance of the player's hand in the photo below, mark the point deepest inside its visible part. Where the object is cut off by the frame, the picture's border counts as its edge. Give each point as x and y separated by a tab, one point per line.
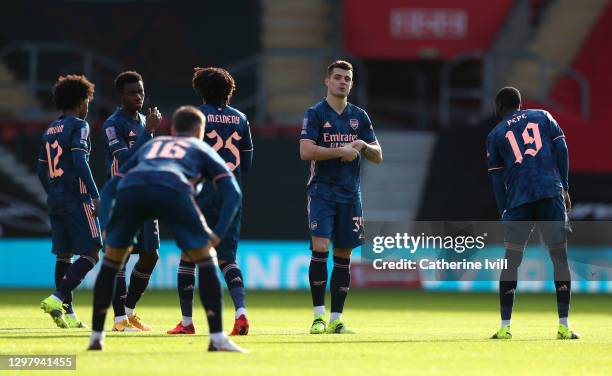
154	119
568	201
96	206
214	240
348	153
358	145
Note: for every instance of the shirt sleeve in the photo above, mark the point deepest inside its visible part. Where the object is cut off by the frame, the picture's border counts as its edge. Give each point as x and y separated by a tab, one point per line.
214	168
80	138
494	159
246	143
42	153
366	130
246	149
114	137
555	130
310	126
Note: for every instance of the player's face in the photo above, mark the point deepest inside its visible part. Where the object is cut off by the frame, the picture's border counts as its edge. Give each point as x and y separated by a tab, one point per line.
339	83
132	96
83	108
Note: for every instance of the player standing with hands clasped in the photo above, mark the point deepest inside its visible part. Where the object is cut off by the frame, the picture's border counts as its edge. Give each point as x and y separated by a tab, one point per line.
334	135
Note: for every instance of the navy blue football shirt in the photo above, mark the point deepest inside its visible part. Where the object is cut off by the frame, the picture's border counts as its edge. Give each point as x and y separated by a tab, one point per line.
522	145
326	128
62	136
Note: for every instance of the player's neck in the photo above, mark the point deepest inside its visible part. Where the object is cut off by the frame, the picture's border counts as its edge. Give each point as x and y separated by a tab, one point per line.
132	114
336	103
74	113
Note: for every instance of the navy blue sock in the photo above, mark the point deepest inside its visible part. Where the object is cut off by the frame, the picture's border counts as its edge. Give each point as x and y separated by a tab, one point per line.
507	290
120	293
233	279
340	283
317	277
211	293
186	285
139	280
563	282
74	275
62	264
508	280
103	293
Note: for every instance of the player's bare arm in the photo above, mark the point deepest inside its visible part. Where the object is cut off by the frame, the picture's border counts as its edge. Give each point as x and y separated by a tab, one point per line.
372	152
311	152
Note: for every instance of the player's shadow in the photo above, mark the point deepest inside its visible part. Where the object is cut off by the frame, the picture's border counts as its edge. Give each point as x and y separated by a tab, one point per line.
441	340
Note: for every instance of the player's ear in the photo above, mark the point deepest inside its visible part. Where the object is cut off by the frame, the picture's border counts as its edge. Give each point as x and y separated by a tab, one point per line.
199	132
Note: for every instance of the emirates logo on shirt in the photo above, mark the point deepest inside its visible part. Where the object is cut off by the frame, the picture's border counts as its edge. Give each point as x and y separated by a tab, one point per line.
354	123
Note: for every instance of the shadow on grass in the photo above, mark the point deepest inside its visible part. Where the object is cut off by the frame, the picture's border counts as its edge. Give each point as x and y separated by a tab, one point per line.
361	299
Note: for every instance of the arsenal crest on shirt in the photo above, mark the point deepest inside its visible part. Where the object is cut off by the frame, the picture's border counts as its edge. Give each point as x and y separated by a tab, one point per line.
354	123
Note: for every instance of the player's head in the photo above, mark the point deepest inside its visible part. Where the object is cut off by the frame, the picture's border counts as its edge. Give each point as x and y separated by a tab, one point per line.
215	85
339	79
130	88
188	121
73	93
507	100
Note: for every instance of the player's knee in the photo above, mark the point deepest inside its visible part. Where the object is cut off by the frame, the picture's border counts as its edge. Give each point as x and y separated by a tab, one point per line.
94	254
320	245
63	255
343	252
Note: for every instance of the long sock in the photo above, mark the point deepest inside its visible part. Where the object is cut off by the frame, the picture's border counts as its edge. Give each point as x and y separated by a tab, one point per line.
139	280
120	294
340	283
233	278
563	282
211	293
186	285
508	282
317	276
62	264
103	293
74	275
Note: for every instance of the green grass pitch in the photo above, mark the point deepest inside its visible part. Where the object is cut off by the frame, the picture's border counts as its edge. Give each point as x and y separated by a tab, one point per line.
399	332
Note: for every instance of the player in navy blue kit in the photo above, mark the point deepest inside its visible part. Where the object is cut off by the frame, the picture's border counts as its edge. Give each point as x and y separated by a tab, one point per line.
159	183
72	195
528	161
227	132
334	135
124	132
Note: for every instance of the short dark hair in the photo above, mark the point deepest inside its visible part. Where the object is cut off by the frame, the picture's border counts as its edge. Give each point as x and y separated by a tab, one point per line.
214	85
69	90
342	64
127	77
187	118
508	98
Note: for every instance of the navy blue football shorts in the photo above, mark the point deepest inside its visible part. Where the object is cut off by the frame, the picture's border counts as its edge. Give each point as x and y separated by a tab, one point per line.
548	215
342	223
226	250
148	238
74	229
177	210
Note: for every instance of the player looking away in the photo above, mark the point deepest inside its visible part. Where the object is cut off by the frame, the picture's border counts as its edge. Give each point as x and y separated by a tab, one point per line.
159	183
72	195
227	132
334	135
528	162
124	132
